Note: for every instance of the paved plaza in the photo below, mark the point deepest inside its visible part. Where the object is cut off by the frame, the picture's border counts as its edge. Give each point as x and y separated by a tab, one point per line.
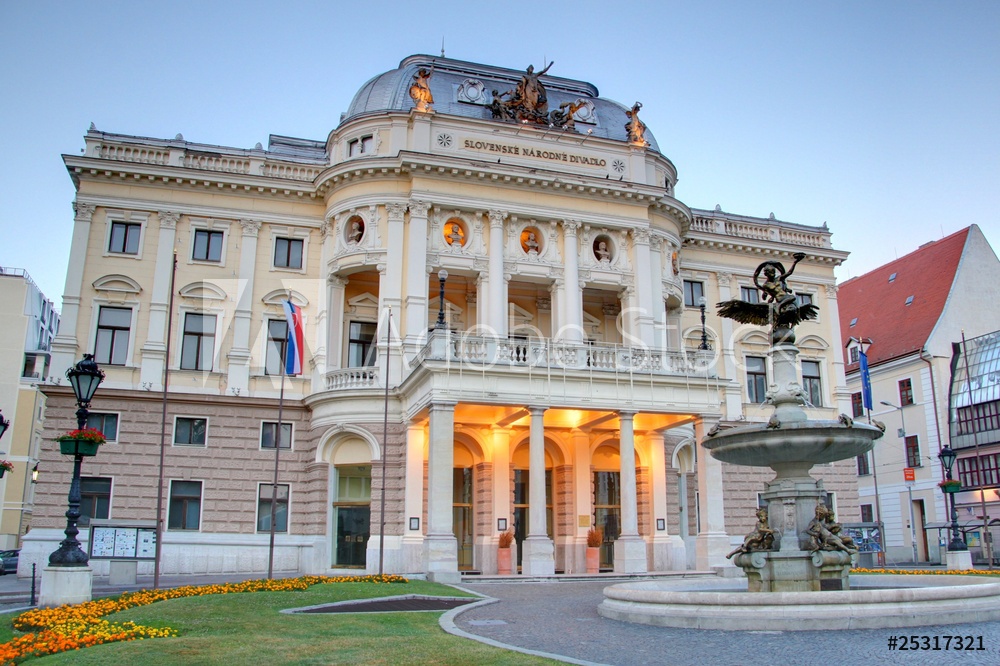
560	618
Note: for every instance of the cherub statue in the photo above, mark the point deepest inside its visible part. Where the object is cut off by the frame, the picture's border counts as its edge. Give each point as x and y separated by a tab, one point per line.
420	91
824	534
762	538
636	128
779	309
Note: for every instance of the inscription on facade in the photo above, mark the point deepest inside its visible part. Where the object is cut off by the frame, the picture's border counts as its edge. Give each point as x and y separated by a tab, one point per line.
524	151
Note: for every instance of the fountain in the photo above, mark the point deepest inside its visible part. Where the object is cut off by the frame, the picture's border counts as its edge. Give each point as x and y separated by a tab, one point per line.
797	560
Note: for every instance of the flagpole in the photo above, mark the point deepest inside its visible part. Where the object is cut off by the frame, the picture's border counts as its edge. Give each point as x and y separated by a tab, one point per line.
866	398
163	431
283	360
385	442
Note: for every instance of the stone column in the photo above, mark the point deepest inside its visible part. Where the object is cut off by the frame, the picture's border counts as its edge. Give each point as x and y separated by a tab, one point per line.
571	308
239	353
712	542
65	346
538	558
502	496
154	349
336	295
584	497
655	280
415	294
413	540
630	548
497	302
646	316
669	553
440	545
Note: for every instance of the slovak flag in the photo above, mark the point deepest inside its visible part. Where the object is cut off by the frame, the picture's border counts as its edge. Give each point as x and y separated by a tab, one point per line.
296	337
866	382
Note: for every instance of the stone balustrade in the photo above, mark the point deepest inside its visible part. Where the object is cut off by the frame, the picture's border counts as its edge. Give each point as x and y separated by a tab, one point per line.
352	378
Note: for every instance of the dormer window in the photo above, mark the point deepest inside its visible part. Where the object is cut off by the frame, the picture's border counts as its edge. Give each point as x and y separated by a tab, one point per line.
361	146
892	278
909	299
854	321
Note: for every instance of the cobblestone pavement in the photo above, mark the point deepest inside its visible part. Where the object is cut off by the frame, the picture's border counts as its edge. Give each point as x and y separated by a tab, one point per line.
561	618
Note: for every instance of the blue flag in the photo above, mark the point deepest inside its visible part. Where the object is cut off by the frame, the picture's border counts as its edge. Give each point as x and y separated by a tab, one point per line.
866	382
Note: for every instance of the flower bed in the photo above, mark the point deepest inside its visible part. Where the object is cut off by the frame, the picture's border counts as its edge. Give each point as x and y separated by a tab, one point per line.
930	572
73	627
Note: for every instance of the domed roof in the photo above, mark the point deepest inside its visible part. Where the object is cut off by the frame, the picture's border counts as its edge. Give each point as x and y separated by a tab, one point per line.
466	89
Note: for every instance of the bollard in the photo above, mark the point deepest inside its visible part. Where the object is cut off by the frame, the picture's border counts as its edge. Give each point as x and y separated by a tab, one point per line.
32	601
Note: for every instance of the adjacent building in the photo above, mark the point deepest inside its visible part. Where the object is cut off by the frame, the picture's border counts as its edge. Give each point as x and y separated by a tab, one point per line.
907	315
28	323
505	304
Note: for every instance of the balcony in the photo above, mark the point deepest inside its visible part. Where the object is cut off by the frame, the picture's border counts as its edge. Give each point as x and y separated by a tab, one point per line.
544	355
352	378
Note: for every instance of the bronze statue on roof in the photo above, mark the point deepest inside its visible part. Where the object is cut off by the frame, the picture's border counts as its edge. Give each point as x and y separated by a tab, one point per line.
420	91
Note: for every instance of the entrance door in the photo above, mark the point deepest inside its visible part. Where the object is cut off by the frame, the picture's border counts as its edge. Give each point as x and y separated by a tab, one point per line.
607	513
462	516
352	515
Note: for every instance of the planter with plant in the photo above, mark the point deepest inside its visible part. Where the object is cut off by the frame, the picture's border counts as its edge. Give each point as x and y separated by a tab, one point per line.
594	538
82	442
5	466
504	566
951	485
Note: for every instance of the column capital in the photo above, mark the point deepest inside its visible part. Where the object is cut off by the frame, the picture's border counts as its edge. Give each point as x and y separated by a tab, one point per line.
336	281
83	212
168	219
570	227
626	414
396	211
442	406
419	208
724	279
250	227
497	218
641	236
536	409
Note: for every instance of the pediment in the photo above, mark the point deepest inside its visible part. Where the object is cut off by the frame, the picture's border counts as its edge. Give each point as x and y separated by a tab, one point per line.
204	291
279	296
119	284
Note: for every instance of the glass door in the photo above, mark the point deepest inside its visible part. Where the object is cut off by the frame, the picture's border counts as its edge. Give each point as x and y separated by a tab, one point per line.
607	513
462	516
352	515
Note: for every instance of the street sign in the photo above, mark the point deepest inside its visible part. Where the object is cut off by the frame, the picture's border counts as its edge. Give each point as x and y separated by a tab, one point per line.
909	474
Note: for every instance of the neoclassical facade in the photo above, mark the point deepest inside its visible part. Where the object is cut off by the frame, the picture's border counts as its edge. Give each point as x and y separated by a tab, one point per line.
501	293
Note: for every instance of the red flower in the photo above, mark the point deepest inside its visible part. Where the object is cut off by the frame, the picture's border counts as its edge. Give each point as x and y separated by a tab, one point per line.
84	434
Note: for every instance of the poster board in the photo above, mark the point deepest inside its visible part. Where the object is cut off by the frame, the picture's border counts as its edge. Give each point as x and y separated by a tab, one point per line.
122	542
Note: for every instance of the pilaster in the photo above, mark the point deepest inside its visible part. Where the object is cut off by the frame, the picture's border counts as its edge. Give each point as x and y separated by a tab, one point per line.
64	345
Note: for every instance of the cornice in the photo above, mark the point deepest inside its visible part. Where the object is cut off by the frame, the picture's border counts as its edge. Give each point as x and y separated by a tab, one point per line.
184	208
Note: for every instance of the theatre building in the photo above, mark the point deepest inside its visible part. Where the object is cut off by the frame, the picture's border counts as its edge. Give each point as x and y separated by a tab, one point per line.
502	301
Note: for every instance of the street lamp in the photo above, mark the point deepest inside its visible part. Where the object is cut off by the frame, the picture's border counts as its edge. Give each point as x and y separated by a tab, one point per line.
704	335
442	276
947	457
909	484
84	377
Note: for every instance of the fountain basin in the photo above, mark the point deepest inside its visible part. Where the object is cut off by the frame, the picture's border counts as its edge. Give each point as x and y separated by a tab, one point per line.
916	601
812	442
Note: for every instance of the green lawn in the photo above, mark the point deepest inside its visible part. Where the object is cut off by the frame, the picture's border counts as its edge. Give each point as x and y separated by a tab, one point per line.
247	628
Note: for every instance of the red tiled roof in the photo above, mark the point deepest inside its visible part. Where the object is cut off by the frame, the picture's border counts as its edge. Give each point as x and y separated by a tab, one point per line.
895	328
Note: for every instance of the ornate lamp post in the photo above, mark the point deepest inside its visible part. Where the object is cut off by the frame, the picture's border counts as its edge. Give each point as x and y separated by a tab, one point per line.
947	457
442	276
704	335
84	377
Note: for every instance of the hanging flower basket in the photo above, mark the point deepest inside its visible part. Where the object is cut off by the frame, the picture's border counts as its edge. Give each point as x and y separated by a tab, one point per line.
83	442
951	486
5	466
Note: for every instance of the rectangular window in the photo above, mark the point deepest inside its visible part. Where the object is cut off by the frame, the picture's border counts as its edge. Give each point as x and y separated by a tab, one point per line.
113	328
106	423
811	383
287	253
693	293
855	355
125	238
864	468
756	379
277	345
266	490
968	472
912	452
803	299
362	146
198	345
982	417
905	393
991	474
184	511
867	513
95	499
750	294
857	405
190	431
268	431
361	350
207	245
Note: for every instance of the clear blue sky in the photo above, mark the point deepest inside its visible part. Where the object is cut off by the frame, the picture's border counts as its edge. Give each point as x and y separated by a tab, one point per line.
879	118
